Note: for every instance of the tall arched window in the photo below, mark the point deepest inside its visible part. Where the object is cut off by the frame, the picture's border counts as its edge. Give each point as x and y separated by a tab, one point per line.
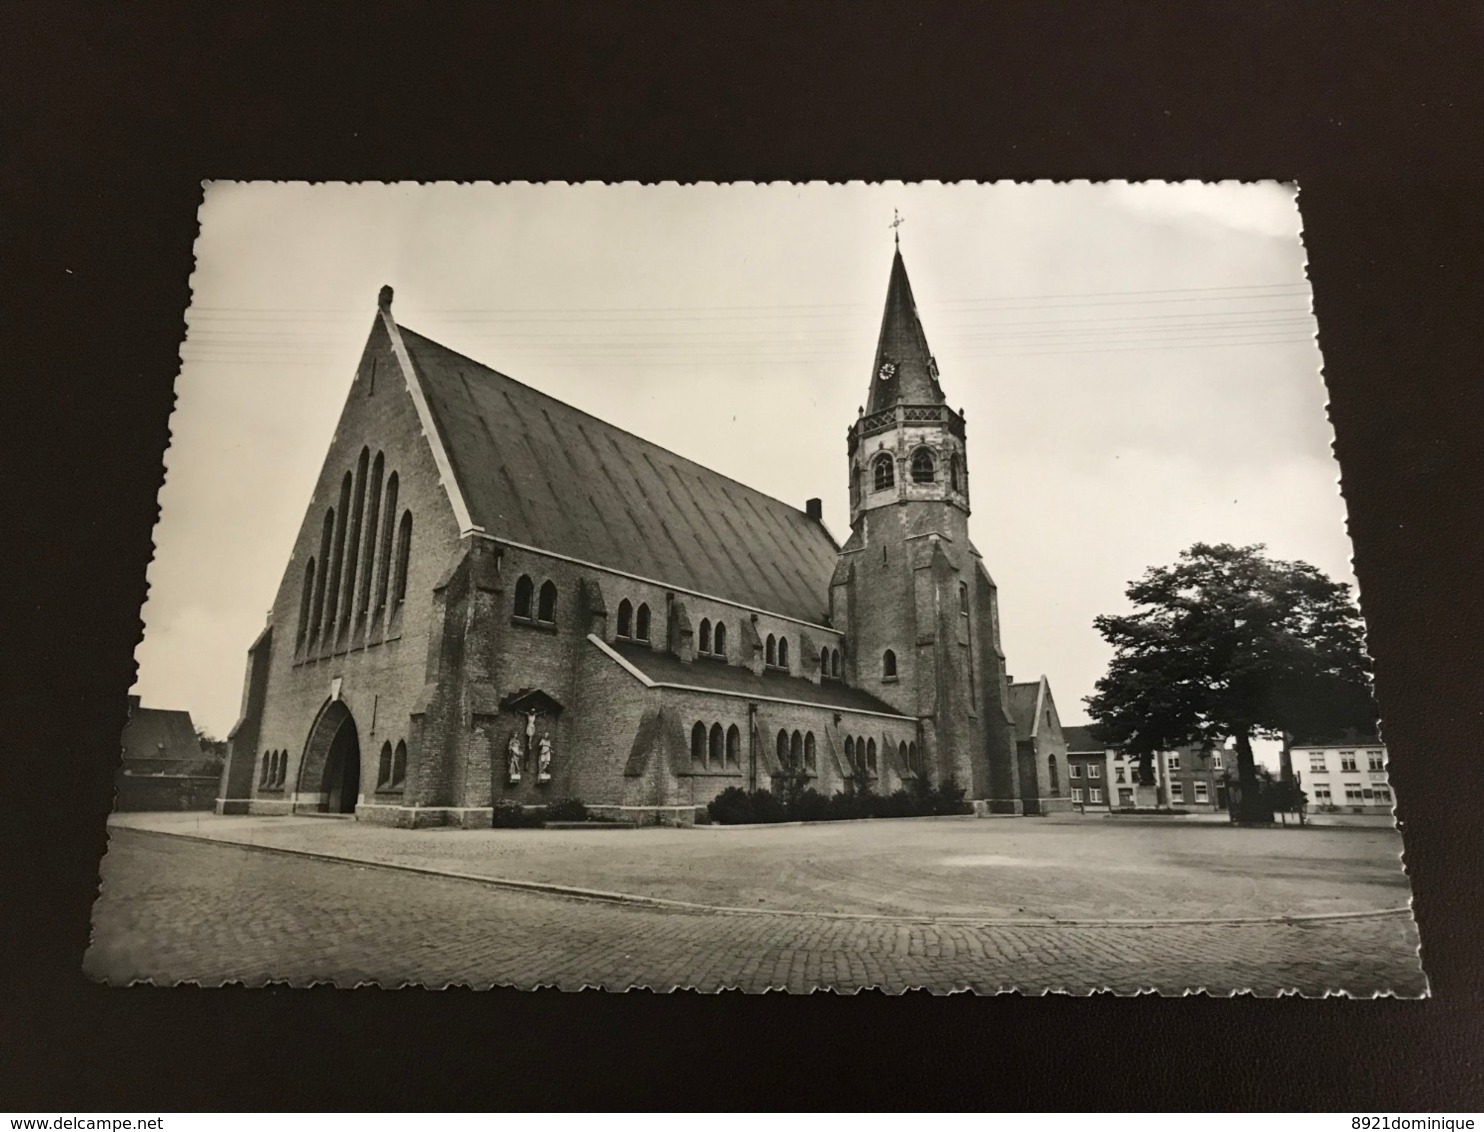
922	466
883	471
306	601
641	623
353	535
704	638
902	755
824	662
384	554
796	751
698	742
963	598
625	618
734	746
783	748
404	552
266	770
283	766
871	756
835	663
857	485
771	652
719	639
912	758
811	759
525	590
546	602
337	560
1051	773
782	652
384	767
399	764
953	472
850	752
327	535
718	751
888	664
373	517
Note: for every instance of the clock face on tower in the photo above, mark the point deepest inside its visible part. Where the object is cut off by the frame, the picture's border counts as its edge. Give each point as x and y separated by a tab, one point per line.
888	369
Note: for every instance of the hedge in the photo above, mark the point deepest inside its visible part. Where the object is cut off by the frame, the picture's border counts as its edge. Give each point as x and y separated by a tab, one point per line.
735	806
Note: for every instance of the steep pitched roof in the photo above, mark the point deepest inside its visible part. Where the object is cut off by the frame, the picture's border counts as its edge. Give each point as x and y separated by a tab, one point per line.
911	373
1079	740
534	470
1025	706
156	733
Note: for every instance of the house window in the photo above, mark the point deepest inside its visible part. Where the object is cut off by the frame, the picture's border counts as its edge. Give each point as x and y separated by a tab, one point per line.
1174	762
1375	760
1125	797
1316	762
734	746
641	622
1074	770
1177	792
1321	795
1119	774
889	665
719	640
1353	793
1094	771
1077	794
718	748
883	472
525	590
922	466
1202	792
546	603
770	651
1383	794
1094	794
1347	760
703	639
698	742
625	618
810	753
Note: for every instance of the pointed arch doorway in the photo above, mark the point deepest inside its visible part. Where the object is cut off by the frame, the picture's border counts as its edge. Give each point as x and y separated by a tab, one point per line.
330	775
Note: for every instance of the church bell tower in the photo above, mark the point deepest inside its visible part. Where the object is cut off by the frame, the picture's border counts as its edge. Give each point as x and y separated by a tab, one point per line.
918	608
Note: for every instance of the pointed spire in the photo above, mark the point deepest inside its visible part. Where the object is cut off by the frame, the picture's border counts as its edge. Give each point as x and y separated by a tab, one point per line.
905	370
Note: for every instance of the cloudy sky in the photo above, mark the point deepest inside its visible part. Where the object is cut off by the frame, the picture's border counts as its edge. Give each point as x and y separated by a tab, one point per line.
1136	364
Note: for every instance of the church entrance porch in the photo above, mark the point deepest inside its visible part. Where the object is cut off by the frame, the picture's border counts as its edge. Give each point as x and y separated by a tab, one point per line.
330	779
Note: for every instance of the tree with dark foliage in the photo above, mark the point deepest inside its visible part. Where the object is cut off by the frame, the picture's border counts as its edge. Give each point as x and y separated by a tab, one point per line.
1228	643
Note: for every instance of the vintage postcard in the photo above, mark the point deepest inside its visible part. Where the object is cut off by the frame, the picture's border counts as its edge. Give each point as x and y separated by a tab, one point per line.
791	586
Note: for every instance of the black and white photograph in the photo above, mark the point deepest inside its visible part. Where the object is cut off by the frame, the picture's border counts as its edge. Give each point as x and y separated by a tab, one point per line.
769	586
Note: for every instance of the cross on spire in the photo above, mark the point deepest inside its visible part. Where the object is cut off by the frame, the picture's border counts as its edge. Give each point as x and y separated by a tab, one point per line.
896	223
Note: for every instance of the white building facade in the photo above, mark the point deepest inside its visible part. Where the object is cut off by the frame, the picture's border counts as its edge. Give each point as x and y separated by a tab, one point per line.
1349	777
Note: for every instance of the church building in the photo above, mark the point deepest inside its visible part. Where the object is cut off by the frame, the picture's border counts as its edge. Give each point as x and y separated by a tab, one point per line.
496	598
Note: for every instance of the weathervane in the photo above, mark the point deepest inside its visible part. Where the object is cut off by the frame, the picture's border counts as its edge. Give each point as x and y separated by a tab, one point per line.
896	222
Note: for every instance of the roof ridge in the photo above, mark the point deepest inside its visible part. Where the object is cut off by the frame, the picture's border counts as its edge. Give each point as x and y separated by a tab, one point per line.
599	420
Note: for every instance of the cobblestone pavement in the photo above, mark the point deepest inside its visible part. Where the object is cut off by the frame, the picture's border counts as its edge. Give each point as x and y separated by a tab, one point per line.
1063	867
174	909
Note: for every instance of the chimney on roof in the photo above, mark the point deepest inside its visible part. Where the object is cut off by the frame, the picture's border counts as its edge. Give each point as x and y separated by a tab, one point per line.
815	510
384	300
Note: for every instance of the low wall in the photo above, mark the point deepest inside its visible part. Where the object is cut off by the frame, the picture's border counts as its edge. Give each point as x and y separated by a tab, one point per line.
157	792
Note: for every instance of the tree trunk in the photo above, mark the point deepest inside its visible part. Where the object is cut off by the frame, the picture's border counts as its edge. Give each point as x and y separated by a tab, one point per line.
1250	806
1285	760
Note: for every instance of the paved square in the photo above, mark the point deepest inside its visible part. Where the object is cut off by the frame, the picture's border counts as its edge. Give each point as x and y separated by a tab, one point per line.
1062	903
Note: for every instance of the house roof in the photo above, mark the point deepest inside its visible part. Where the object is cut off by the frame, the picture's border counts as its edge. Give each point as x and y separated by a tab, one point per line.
1080	741
536	471
912	374
665	668
156	733
1025	706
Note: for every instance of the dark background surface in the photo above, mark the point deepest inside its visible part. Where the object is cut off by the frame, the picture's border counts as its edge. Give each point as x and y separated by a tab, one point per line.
110	116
